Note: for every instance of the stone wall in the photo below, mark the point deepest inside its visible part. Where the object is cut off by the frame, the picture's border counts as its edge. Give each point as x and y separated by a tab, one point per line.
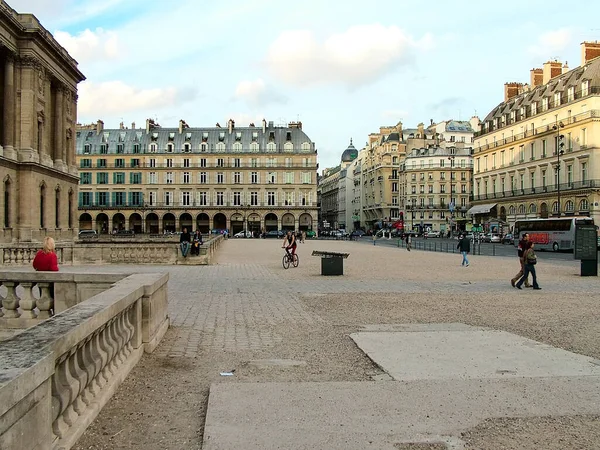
111	250
55	377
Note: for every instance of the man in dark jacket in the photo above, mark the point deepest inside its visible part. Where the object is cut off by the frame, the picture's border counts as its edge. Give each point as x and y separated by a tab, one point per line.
524	245
464	246
184	242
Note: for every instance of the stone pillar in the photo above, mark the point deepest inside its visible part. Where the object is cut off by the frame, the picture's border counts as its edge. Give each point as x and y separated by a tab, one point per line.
177	224
297	224
59	129
9	108
27	110
126	226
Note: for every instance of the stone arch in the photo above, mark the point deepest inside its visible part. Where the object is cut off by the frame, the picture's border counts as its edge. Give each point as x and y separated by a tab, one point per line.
584	205
288	222
118	222
102	223
554	207
532	208
271	222
512	210
254	223
85	221
522	209
168	221
503	213
186	221
569	207
152	223
219	222
305	222
203	223
237	222
135	223
544	210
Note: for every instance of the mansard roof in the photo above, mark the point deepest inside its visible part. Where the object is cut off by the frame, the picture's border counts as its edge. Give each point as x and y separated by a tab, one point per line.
193	136
559	84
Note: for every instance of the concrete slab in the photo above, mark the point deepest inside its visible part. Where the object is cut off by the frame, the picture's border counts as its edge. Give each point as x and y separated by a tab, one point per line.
434	352
380	415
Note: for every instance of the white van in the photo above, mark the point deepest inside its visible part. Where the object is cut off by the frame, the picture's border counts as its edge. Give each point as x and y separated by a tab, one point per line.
84	234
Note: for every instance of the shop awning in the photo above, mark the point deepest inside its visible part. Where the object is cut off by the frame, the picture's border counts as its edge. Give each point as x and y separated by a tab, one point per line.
481	209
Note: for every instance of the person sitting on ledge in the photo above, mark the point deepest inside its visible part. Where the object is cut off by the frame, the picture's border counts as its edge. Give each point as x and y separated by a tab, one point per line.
45	260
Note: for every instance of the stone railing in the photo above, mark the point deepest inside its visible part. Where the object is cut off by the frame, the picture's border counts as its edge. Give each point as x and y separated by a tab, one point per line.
27	298
55	377
119	251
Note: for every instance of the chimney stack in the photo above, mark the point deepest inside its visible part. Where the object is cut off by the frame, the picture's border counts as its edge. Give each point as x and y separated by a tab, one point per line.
537	77
589	51
264	125
182	125
99	127
121	126
551	70
133	125
230	125
512	89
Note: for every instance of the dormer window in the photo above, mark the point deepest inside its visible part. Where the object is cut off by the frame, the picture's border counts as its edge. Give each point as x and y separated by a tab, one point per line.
152	148
585	86
271	135
203	147
221	136
534	108
545	104
188	136
121	137
571	94
187	148
120	148
154	136
170	147
254	136
205	137
556	99
238	136
288	136
171	136
105	137
87	149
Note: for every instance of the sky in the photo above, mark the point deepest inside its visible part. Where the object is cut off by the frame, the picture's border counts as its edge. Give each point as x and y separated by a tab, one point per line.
341	67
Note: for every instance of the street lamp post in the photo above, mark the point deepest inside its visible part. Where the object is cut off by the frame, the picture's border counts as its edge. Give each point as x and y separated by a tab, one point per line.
559	152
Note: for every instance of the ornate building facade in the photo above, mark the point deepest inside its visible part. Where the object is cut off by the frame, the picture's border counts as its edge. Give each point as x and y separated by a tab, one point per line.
158	180
536	152
37	157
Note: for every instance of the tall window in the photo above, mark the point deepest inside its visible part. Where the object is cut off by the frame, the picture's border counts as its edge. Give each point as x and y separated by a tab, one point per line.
57	209
570	174
584	171
168	198
152	178
202	198
254	177
186	162
583	137
543	178
237	198
42	206
169	178
271	198
152	162
185	198
169	162
544	148
202	162
237	162
152	198
186	177
220	178
220	162
254	198
203	178
220	198
237	177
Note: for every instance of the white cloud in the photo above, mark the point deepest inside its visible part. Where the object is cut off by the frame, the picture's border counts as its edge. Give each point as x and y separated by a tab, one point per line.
256	93
112	97
99	45
357	56
550	44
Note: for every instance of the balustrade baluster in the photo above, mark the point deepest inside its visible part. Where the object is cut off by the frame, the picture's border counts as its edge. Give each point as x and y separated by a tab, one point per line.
107	369
79	380
27	301
87	364
100	359
46	303
116	340
10	303
60	398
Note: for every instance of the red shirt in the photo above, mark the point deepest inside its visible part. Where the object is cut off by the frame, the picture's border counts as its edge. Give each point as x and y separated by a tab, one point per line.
45	262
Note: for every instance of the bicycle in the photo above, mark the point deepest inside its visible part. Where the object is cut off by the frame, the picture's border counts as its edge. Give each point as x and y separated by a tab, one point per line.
290	258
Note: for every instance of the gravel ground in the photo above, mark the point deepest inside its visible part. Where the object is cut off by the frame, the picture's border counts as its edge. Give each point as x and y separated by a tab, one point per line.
162	404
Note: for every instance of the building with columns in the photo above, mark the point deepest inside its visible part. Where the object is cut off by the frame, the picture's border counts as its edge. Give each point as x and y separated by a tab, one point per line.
37	132
535	154
156	180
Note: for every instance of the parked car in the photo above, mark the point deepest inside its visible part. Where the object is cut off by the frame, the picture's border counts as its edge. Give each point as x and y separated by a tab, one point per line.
508	239
274	234
357	233
85	234
495	238
241	234
432	234
125	233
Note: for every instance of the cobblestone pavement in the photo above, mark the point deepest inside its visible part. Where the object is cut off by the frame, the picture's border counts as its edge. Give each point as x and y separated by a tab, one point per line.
246	307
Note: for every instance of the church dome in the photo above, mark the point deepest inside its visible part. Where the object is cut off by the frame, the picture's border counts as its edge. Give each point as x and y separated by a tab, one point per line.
350	154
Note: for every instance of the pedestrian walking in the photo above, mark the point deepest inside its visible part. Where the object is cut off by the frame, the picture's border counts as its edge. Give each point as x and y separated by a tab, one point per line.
464	246
523	245
374	238
408	242
529	262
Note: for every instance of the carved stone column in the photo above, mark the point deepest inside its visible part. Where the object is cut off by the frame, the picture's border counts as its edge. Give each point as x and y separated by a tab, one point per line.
27	146
59	128
9	108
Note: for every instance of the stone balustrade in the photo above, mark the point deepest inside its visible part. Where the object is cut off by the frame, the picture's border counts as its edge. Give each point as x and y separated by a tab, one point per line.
26	298
129	250
55	377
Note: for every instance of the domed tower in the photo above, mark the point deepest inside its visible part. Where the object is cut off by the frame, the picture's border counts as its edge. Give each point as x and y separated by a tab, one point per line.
349	155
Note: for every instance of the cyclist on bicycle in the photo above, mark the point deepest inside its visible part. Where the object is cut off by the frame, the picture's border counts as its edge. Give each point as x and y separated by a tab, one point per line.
289	242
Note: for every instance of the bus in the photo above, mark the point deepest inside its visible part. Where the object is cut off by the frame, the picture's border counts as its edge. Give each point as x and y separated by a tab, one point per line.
556	234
